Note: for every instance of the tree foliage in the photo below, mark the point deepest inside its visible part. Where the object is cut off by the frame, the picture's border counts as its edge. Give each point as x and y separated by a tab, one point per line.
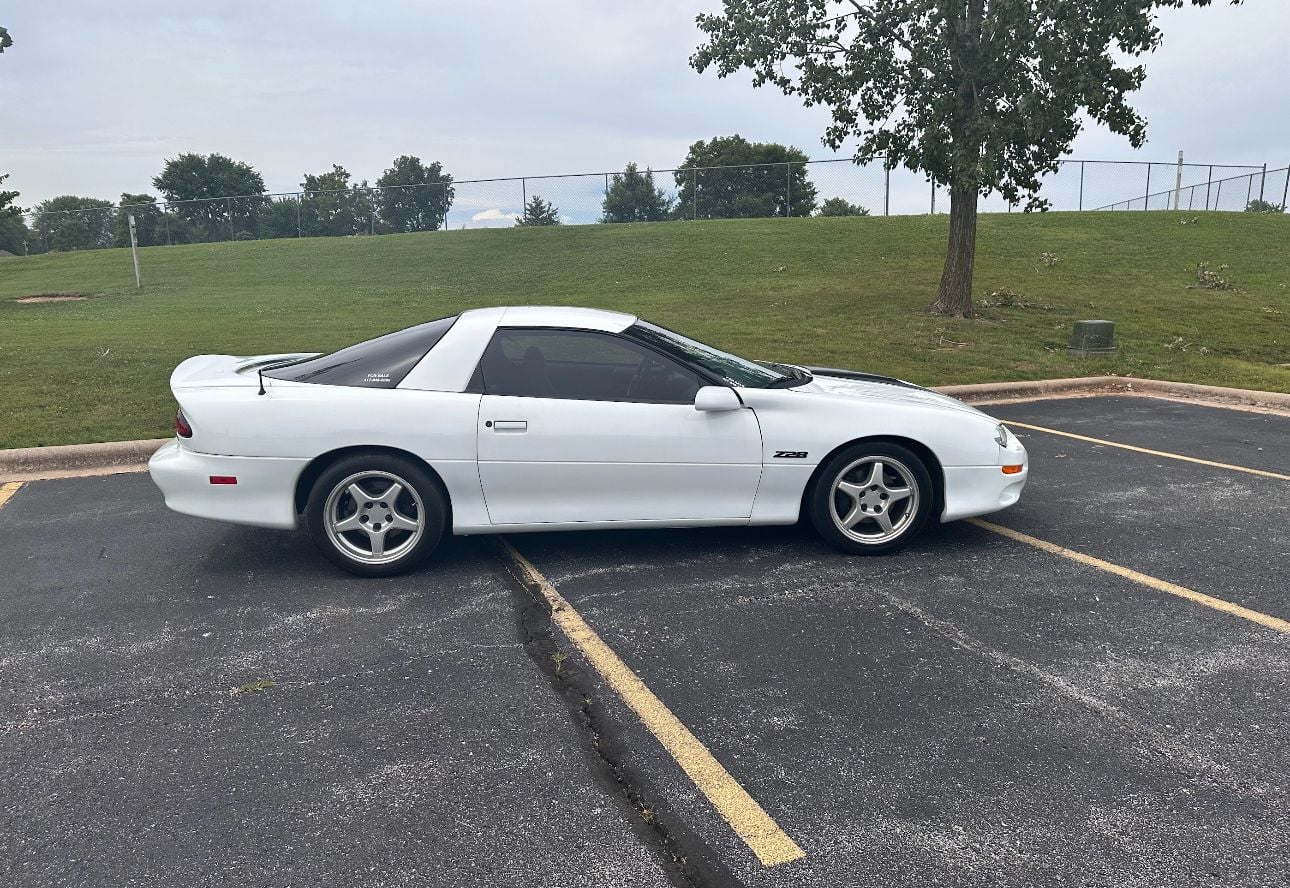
219	196
331	207
5	40
70	222
415	197
13	229
539	212
149	221
632	197
840	206
982	95
768	179
1257	205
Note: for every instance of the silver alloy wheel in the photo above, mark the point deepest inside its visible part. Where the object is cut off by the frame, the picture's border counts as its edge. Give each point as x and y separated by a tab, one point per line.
874	499
374	517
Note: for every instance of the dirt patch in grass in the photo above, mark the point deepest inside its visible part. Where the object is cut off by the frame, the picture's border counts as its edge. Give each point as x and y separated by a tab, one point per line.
55	297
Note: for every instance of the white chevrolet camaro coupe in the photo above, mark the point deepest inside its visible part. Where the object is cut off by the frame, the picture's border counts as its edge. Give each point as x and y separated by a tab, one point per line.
502	420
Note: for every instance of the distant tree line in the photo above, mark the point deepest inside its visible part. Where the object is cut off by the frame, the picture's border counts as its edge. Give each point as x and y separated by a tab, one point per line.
212	197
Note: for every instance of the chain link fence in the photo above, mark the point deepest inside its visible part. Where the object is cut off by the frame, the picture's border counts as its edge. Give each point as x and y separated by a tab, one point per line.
823	187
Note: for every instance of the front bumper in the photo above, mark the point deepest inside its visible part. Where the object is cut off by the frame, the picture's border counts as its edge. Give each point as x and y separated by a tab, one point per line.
264	495
980	490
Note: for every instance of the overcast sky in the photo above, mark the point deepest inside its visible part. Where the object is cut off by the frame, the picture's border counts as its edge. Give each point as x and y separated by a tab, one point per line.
94	96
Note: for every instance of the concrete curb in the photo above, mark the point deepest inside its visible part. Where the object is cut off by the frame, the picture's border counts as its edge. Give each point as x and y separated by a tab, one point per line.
71	460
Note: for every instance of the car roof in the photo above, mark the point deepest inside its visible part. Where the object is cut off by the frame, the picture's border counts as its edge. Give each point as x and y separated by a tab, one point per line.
558	316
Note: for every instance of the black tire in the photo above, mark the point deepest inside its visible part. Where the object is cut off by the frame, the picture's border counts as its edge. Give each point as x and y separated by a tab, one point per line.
420	500
826	504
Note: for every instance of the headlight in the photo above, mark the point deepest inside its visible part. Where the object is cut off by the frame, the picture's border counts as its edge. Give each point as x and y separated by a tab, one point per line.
1001	434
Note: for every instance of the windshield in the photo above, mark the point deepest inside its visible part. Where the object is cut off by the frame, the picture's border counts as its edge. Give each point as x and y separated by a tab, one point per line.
729	368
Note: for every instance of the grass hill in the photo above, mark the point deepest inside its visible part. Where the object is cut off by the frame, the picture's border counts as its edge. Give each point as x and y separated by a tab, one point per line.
845	292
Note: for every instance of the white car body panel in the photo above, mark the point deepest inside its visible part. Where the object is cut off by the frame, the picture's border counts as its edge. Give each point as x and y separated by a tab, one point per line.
575	463
551	460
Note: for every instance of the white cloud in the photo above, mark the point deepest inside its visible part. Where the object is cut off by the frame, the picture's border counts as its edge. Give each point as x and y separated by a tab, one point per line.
494	215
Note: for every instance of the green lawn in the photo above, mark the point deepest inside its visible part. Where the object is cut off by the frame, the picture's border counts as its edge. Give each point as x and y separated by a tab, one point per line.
846	292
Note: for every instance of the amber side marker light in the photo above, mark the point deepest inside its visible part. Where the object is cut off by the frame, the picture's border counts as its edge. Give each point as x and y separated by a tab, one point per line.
223	479
1012	470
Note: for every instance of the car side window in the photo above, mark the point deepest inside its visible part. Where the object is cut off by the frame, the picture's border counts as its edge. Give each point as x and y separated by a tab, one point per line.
581	365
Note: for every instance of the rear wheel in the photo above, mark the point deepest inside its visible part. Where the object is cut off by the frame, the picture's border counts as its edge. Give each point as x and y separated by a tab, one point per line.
871	498
376	515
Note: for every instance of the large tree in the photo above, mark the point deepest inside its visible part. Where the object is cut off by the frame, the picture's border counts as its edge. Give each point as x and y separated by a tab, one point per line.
218	195
632	197
69	222
13	230
331	208
149	221
982	95
730	178
414	196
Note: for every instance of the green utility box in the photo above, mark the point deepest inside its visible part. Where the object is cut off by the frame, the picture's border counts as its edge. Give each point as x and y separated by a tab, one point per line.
1092	338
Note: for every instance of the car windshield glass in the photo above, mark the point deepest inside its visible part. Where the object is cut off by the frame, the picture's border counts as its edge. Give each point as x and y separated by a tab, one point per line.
729	368
376	363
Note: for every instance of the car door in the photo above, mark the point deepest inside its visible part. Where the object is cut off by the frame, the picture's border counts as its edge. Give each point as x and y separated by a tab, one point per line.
585	426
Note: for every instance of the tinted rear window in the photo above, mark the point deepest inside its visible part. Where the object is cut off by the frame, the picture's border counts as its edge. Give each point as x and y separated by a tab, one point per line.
376	363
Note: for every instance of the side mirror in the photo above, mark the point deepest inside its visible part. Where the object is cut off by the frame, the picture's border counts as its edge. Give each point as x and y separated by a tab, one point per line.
716	397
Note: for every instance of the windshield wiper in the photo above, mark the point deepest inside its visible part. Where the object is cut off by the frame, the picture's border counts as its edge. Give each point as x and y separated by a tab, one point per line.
795	376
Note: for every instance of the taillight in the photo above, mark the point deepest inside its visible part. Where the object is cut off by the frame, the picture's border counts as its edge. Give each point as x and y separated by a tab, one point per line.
182	428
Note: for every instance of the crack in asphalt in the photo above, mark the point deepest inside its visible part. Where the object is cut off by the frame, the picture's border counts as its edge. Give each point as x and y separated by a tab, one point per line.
686	859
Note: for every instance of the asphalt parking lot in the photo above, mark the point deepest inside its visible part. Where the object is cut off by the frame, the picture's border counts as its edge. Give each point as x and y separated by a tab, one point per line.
185	703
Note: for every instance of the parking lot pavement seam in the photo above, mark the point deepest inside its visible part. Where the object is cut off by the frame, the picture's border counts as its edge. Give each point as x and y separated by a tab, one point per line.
741	811
1264	473
1266	620
7	490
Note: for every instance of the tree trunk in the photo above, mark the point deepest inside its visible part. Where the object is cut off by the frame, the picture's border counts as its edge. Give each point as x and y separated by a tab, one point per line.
954	296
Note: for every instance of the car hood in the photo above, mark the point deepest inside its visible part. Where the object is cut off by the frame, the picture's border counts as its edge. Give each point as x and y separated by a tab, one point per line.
865	386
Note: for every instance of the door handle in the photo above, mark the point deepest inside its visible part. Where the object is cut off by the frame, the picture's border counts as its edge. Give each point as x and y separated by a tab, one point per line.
511	425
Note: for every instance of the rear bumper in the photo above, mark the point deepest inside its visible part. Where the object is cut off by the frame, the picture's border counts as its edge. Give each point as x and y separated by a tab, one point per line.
264	495
980	490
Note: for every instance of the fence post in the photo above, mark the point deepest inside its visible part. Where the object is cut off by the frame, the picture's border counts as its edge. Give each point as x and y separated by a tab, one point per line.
165	215
1209	181
788	189
1146	200
1263	182
886	198
1285	195
1218	195
524	192
694	191
933	181
300	202
1178	182
1081	186
228	206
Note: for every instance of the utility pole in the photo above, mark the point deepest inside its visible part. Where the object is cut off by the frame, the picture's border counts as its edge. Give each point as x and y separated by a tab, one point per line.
134	253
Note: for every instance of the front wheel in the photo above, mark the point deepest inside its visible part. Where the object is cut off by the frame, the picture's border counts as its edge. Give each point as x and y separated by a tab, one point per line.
871	498
376	515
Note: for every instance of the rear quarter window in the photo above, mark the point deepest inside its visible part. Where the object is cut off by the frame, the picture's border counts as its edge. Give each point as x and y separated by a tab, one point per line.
382	362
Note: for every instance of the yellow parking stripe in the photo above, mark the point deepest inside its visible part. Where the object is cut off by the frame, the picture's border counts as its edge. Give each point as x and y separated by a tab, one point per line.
1227	607
770	843
1150	452
7	490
